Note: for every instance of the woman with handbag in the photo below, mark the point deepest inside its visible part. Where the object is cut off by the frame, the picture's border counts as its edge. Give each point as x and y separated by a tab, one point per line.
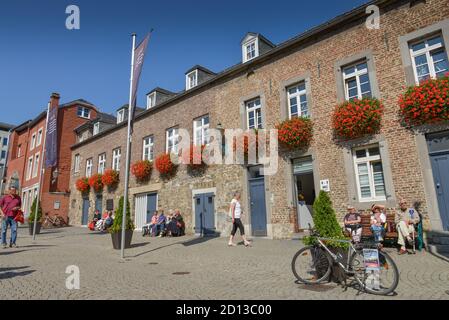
9	209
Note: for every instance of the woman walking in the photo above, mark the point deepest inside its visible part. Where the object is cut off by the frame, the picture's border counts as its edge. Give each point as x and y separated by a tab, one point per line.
236	213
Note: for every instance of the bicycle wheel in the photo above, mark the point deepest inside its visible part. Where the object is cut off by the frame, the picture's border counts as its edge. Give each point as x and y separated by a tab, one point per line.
311	265
381	282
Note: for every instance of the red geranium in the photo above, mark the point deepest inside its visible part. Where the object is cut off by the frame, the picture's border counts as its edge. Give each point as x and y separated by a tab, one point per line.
142	170
96	182
357	118
427	103
82	185
295	133
110	178
164	164
193	157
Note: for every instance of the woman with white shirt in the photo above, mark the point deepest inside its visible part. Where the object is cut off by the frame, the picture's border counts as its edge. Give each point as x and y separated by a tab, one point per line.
378	219
236	213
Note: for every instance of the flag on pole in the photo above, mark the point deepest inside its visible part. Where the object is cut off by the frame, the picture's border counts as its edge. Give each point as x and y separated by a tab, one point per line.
139	56
51	140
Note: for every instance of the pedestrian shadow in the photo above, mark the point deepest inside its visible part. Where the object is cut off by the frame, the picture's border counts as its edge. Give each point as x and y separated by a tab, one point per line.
10	275
199	240
7	253
12	268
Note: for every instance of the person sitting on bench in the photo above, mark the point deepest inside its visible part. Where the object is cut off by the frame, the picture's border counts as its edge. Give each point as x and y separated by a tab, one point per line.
353	224
378	220
148	228
406	218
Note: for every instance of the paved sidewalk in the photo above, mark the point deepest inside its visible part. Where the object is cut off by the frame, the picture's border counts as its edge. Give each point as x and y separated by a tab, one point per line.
214	271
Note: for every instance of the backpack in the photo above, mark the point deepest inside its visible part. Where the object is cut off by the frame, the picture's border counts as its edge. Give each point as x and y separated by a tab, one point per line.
91	226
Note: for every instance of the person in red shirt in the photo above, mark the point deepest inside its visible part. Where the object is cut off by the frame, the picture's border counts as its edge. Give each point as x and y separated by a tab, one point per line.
9	205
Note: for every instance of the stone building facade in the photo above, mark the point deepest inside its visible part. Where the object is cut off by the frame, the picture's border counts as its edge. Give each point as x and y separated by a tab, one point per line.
312	71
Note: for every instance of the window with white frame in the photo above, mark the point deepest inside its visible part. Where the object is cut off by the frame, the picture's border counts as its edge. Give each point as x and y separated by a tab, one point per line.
120	116
29	168
148	148
19	151
250	50
356	81
83	112
5	142
429	58
369	174
89	164
201	131
39	137
33	141
77	161
151	100
116	154
254	114
297	101
101	163
36	165
192	79
96	129
172	140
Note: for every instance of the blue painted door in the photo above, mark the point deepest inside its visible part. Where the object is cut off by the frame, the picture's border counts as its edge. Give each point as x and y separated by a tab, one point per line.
151	205
99	204
258	207
205	214
440	167
85	215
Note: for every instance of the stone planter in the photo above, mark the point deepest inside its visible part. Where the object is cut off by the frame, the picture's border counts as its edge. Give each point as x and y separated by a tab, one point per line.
31	228
117	239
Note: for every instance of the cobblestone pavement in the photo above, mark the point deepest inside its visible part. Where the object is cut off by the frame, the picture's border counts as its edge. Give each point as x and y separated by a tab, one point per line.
37	270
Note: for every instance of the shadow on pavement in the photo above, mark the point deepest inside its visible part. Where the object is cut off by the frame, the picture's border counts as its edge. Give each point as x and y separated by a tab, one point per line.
199	240
155	249
7	253
9	275
12	268
137	245
38	246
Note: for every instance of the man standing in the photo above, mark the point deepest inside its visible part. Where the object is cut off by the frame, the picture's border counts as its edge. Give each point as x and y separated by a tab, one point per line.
405	219
9	205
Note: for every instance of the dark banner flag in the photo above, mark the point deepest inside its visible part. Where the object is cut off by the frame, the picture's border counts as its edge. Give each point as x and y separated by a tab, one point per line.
139	56
51	139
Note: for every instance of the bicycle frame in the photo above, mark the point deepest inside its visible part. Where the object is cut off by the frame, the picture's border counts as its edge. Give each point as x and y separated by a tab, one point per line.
334	257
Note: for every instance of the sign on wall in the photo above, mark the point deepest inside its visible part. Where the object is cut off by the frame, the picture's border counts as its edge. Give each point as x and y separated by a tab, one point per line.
325	186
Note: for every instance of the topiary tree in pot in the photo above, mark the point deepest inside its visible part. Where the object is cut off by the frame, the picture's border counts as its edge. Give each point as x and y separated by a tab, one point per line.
116	229
326	224
32	216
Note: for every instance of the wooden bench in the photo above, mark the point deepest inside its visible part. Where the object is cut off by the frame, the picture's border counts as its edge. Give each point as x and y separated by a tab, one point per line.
391	234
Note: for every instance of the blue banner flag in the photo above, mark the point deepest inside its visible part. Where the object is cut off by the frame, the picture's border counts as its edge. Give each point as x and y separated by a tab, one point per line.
51	139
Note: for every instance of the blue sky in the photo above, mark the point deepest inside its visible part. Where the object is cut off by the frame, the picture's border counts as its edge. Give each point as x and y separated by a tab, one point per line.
38	55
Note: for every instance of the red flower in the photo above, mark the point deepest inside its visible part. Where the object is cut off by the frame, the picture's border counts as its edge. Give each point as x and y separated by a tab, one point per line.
248	139
193	157
142	170
357	118
110	178
164	164
295	133
96	182
82	185
426	103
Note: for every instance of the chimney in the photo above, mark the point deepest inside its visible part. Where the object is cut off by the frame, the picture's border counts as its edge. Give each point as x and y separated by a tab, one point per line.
54	100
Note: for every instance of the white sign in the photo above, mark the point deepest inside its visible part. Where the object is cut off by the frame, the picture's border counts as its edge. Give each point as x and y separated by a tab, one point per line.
324	185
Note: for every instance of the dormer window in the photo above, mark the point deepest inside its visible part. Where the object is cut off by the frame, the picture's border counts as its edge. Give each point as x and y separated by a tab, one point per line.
191	79
250	50
121	116
83	112
151	100
96	128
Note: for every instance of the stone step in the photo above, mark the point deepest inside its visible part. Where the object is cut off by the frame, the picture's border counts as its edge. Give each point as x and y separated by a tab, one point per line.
439	248
441	240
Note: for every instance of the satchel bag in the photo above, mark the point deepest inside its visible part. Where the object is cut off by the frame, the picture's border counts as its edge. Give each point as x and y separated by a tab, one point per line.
19	217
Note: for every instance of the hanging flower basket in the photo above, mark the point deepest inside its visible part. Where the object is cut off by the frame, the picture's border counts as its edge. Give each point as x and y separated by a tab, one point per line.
110	178
193	157
96	182
142	170
357	118
295	133
427	103
164	164
82	185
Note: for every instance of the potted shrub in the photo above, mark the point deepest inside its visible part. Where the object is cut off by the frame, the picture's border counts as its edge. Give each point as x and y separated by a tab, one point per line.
96	183
325	221
82	185
164	165
116	229
110	178
142	170
31	218
357	118
295	133
427	103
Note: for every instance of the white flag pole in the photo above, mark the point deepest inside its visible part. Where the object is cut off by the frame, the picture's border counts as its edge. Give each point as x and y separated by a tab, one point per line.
128	149
42	171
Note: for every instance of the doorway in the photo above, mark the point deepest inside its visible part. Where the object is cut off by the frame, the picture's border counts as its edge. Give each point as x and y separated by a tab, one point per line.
257	202
85	212
305	191
145	205
99	203
205	214
438	144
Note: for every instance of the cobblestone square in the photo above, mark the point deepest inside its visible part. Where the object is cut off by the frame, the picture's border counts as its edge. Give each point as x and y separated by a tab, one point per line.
207	269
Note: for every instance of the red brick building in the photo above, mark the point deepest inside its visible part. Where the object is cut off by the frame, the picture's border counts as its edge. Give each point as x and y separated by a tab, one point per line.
26	151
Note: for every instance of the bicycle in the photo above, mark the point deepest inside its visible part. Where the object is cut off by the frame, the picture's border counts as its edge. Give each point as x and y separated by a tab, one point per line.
56	221
313	265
